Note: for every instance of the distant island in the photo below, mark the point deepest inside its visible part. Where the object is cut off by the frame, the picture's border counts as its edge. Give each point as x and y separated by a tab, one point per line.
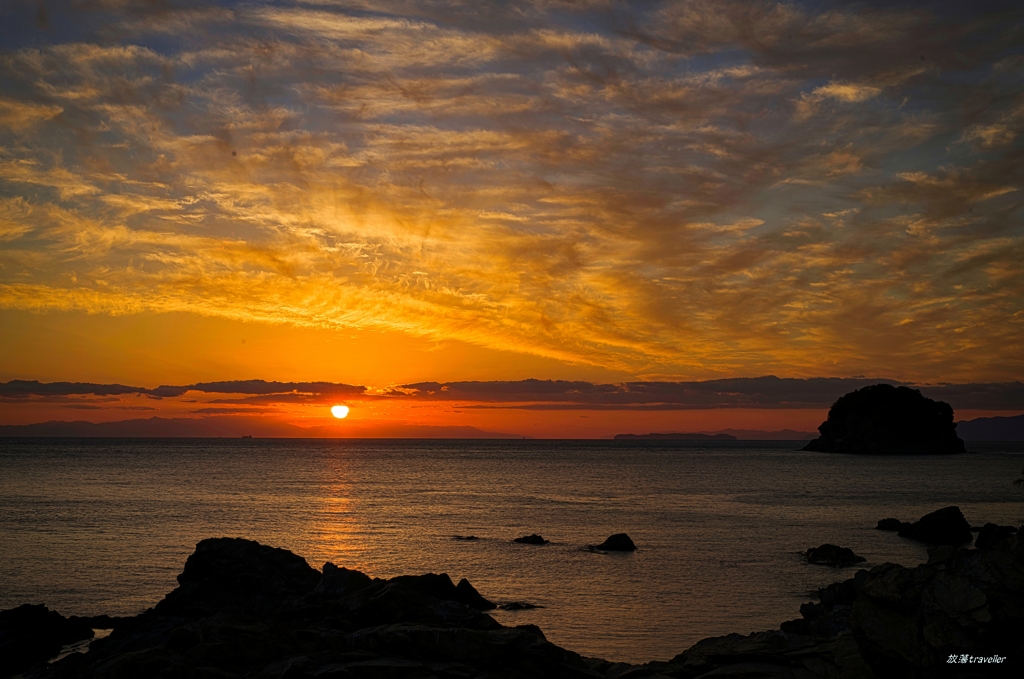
980	429
725	435
885	420
677	437
225	426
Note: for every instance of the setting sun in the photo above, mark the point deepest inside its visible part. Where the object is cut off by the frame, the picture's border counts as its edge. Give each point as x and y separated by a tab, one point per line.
340	412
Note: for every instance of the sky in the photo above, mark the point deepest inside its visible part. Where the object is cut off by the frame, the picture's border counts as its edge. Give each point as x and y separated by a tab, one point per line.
376	196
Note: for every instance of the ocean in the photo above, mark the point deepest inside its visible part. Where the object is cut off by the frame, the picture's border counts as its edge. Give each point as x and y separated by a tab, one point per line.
91	526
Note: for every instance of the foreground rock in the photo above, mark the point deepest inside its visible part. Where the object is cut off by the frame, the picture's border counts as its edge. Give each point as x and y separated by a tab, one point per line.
832	555
31	634
911	621
246	610
885	420
889	622
991	534
946	526
620	542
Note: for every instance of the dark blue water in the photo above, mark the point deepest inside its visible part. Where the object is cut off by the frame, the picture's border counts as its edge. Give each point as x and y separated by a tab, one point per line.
103	526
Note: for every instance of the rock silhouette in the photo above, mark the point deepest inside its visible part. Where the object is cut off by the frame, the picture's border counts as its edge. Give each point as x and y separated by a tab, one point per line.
908	621
891	524
531	540
946	526
285	619
885	420
33	633
832	555
991	533
518	606
620	542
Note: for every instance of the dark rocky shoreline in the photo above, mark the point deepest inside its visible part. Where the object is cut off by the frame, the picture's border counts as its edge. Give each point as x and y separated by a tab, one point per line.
247	610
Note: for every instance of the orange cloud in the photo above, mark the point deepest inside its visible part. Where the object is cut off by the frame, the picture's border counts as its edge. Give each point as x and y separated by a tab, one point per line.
652	191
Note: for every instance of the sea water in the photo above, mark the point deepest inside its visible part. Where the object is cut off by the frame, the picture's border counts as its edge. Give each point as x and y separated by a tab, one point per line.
90	526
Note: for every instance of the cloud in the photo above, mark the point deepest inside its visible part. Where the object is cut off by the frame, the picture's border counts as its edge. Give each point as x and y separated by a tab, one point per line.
643	188
757	392
20	115
25	388
530	394
35	388
234	411
263	387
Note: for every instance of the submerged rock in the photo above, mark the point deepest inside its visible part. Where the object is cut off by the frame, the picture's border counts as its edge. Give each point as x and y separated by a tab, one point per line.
833	555
518	606
620	542
531	540
887	420
31	634
946	526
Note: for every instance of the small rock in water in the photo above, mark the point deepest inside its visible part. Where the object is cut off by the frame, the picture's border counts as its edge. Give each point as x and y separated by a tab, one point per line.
619	542
531	540
946	526
465	537
518	606
833	555
891	524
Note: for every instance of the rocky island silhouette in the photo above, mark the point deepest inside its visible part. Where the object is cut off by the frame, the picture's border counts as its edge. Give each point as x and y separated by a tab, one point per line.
885	420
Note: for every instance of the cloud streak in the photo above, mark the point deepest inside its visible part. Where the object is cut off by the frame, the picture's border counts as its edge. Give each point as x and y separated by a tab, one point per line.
678	191
760	392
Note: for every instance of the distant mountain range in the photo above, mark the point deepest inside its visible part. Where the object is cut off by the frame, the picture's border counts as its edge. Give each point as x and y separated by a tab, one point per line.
992	429
725	435
676	437
980	429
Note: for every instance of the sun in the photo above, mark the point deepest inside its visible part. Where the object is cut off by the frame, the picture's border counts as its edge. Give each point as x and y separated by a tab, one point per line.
339	411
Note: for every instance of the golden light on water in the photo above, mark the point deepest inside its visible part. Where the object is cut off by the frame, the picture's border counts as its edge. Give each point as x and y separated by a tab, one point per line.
340	412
